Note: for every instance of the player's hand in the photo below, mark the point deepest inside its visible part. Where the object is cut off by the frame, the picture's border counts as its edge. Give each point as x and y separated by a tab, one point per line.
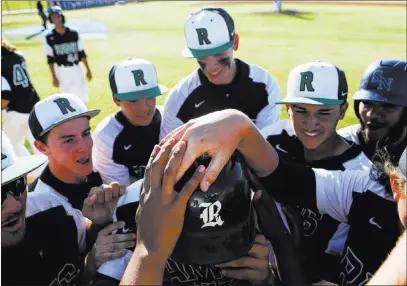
160	215
254	266
101	202
89	75
217	134
109	246
55	82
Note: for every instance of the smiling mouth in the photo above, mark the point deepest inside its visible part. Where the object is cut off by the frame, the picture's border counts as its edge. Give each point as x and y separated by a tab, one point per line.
83	161
11	223
311	134
374	126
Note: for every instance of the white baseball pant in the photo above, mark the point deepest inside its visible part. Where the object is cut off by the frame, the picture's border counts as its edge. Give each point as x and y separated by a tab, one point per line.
72	80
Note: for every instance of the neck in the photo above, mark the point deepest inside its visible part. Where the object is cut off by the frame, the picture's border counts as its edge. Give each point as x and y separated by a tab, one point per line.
333	146
60	29
65	175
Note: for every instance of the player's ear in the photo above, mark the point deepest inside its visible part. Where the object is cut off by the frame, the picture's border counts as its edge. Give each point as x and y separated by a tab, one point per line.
41	147
117	102
288	109
395	186
343	108
236	44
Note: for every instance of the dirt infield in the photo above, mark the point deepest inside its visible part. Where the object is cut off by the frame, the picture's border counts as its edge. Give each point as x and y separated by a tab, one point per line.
360	3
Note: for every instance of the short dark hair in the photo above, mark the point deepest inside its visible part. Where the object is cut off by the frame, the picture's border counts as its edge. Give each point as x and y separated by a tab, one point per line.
44	138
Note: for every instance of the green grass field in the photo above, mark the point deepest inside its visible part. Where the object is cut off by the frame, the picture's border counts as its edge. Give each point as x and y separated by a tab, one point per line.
349	36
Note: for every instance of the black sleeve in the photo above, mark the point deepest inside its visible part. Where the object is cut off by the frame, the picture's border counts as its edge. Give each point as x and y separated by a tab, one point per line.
82	54
292	185
6	94
51	60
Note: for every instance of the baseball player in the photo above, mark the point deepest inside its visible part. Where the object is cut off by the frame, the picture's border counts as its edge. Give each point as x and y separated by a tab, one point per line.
349	196
316	101
381	107
60	125
221	81
123	141
18	97
64	51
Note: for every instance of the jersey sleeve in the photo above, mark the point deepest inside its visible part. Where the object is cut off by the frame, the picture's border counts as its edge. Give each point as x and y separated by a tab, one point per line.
6	93
49	52
272	112
172	104
335	190
81	50
103	163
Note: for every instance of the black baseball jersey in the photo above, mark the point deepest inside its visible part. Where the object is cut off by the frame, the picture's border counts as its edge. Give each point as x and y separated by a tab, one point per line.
121	150
348	196
64	49
324	237
16	85
175	272
53	246
74	194
254	91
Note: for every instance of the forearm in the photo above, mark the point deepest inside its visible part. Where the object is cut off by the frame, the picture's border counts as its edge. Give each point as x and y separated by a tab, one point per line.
52	69
90	269
85	62
258	153
144	268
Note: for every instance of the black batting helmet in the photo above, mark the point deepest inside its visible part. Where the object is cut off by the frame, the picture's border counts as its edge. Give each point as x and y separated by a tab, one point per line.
56	10
219	224
384	81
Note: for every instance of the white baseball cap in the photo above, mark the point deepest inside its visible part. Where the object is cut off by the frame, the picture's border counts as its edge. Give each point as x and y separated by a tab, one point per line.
317	83
55	110
13	167
208	31
133	79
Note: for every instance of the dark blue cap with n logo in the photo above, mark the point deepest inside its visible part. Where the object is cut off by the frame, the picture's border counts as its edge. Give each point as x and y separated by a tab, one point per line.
208	31
54	110
133	79
384	81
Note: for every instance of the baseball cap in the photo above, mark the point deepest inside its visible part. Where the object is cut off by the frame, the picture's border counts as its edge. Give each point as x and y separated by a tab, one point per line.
317	83
13	167
55	10
133	79
403	164
208	31
55	110
384	81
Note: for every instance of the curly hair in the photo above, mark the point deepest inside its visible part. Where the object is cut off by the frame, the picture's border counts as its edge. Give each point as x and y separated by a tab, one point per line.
8	46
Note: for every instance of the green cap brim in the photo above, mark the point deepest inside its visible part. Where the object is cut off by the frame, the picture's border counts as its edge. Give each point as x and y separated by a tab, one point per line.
307	100
193	53
147	93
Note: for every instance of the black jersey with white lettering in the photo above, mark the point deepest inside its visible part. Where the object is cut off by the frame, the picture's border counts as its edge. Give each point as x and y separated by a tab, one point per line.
50	252
16	85
324	237
64	49
254	91
121	150
348	196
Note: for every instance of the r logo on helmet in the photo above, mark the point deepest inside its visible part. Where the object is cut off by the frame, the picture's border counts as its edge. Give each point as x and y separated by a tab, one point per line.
210	214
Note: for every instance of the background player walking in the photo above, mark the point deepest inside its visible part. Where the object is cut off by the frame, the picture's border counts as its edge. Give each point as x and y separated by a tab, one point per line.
64	48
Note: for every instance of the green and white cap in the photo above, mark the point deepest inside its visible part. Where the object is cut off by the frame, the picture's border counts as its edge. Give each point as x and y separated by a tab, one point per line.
208	31
317	83
133	79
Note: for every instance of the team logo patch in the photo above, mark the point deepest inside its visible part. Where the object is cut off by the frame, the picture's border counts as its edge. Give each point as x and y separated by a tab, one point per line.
384	83
210	215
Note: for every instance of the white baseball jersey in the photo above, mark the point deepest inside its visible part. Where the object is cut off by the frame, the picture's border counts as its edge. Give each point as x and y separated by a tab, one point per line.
253	91
351	133
121	150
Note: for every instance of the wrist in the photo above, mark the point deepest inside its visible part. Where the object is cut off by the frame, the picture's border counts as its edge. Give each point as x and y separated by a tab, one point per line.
151	258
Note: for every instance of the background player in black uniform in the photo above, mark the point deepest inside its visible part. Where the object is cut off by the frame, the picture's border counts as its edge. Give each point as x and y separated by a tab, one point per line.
18	97
348	196
221	81
315	102
381	106
64	50
123	141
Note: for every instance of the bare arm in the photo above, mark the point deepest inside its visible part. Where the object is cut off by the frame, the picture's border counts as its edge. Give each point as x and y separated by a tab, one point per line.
88	71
